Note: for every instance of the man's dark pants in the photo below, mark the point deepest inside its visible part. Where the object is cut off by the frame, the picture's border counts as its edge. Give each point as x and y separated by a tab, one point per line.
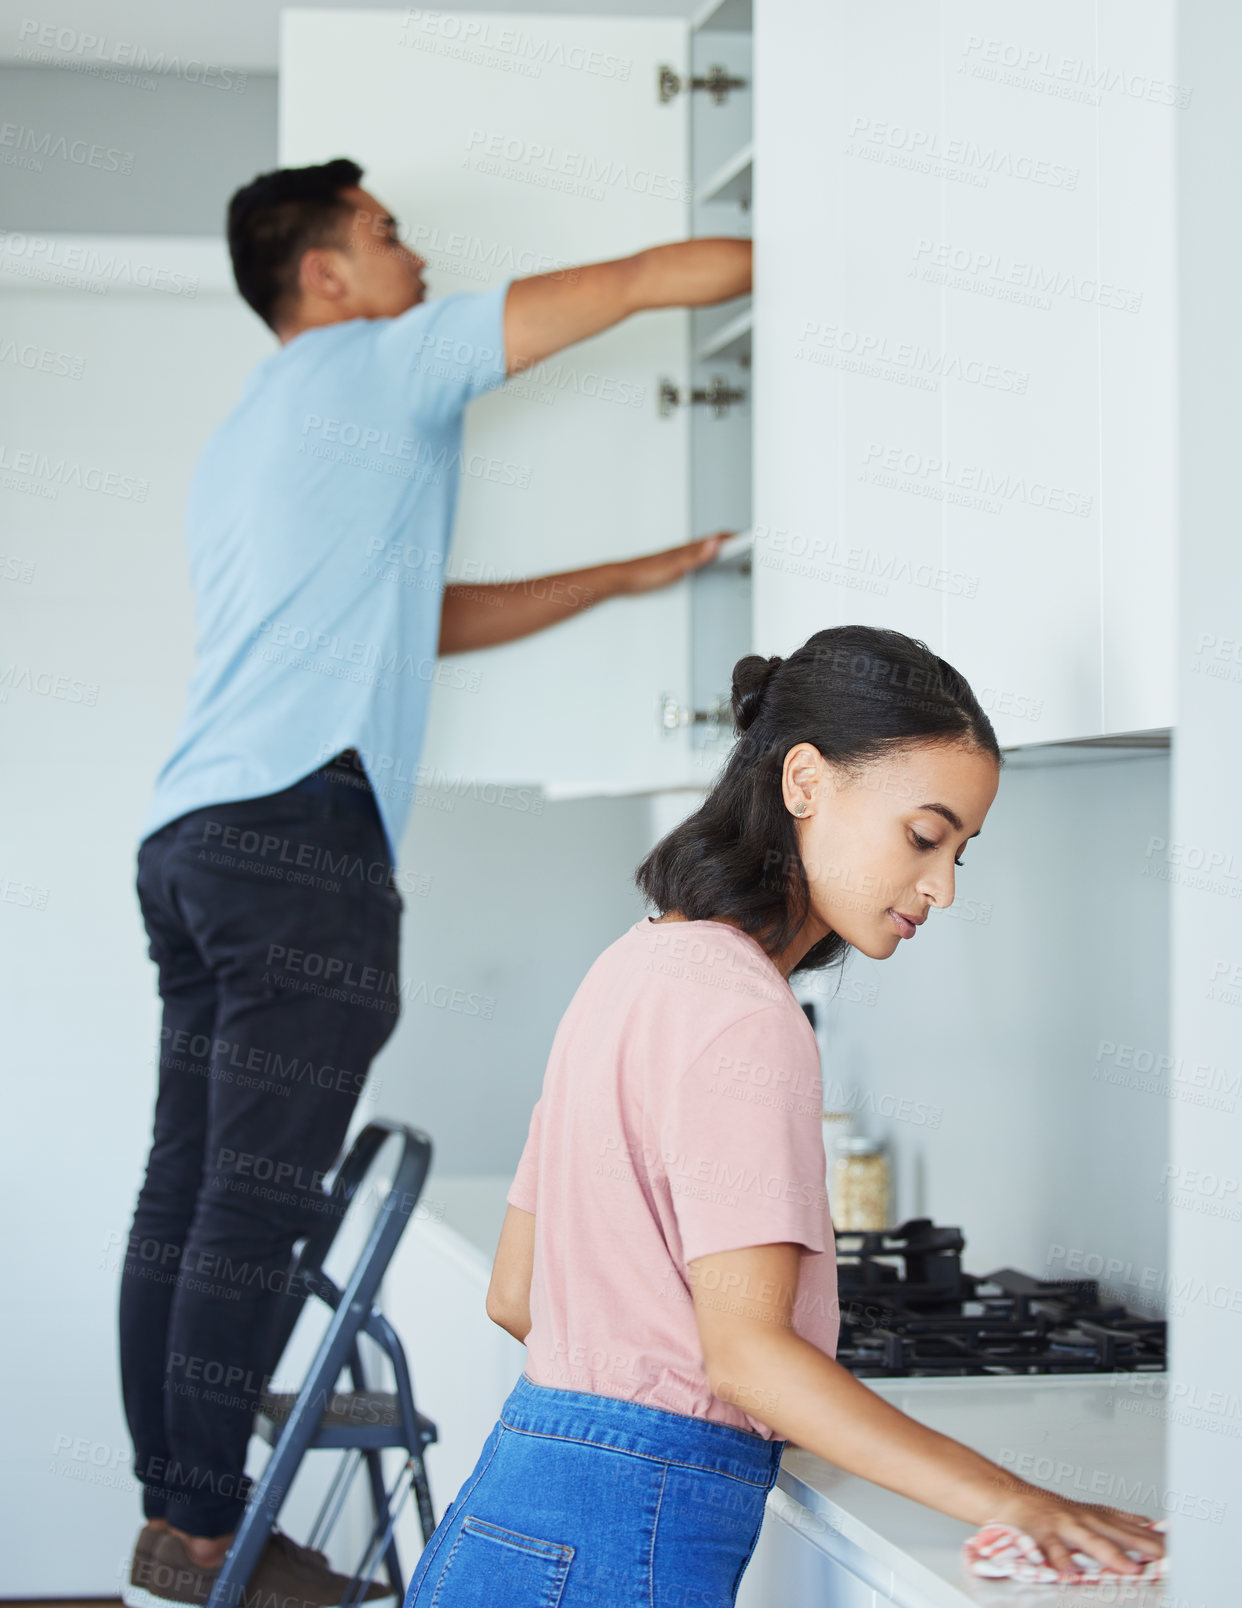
274	923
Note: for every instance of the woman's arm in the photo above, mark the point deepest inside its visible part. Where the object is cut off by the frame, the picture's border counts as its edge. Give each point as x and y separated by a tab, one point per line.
508	1294
743	1303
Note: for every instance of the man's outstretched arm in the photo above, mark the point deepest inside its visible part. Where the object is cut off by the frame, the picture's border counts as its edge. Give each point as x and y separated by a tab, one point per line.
547	312
483	616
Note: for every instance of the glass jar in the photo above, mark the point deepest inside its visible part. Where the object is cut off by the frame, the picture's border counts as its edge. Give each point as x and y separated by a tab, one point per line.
838	1125
858	1191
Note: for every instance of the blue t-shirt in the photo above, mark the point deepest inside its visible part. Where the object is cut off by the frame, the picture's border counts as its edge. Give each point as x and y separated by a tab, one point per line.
318	521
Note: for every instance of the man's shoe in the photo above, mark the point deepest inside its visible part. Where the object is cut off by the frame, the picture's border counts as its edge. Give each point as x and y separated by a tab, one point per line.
301	1577
133	1590
163	1573
292	1575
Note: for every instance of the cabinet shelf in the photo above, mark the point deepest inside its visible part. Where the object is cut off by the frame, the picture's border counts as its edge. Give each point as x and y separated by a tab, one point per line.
732	181
736	552
729	343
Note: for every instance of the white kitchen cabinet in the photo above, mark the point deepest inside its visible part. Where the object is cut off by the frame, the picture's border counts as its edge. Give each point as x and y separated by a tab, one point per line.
963	347
789	1566
1030	633
1139	424
841	344
520	144
961	388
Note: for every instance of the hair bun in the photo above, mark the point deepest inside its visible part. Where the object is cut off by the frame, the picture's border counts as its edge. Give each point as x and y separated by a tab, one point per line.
750	680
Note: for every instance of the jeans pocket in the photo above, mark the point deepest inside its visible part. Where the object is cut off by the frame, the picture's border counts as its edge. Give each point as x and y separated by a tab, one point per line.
490	1564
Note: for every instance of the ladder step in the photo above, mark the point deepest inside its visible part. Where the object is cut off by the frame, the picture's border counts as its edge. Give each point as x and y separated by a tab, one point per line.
350	1418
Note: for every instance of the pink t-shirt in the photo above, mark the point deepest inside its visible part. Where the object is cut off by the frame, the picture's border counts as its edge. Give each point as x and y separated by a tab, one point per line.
680	1114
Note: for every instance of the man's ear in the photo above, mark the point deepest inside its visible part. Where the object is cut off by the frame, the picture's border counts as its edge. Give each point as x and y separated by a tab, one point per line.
320	276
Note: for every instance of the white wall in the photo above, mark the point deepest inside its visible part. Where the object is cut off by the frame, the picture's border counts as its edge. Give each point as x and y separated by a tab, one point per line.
94	610
94	592
1203	862
979	1049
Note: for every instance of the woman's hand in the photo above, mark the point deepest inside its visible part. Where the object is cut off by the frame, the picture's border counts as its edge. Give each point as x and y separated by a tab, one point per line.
1059	1528
743	1305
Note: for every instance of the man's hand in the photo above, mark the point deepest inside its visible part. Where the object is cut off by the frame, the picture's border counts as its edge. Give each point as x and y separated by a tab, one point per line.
660	569
484	616
546	312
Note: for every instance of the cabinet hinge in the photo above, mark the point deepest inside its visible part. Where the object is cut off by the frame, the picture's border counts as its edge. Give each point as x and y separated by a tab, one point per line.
718	81
717	717
717	396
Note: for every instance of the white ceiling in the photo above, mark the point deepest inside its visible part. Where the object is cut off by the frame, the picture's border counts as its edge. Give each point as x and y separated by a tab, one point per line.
225	33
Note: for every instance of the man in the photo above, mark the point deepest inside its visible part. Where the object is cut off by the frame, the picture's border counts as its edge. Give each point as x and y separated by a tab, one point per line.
264	871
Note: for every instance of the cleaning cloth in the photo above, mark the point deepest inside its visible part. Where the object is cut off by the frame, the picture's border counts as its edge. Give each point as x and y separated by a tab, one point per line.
999	1551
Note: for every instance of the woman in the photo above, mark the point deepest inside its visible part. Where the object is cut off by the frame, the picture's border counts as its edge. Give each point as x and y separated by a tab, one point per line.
667	1256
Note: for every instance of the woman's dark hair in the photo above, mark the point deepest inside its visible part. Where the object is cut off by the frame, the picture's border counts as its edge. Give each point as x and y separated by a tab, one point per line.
275	218
856	693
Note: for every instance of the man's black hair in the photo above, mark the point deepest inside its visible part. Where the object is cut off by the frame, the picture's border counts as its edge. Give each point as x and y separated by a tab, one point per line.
275	218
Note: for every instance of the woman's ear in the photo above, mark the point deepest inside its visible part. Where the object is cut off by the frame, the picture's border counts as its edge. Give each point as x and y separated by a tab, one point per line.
800	776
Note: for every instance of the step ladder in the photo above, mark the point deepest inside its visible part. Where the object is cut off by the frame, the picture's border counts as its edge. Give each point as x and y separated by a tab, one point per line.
360	1422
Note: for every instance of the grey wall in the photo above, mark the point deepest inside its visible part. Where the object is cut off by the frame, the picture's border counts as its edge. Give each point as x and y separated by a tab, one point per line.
518	906
979	1050
186	147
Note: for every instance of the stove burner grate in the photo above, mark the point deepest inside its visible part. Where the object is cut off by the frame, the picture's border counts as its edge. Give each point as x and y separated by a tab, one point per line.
909	1309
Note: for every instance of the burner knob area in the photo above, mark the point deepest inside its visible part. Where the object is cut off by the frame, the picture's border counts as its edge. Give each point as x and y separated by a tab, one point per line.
921	1234
895	1350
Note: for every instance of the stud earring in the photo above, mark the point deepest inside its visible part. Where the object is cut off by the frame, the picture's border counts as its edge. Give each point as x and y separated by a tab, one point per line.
798	808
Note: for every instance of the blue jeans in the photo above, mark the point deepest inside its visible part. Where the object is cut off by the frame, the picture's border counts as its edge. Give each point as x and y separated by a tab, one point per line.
586	1501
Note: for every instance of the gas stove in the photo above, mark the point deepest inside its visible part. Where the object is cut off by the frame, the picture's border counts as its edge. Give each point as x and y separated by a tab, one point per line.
908	1309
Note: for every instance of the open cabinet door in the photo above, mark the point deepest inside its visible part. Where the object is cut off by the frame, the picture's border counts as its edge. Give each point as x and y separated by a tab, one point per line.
518	145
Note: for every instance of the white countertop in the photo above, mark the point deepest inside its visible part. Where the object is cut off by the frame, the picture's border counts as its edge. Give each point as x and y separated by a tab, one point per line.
1086	1436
